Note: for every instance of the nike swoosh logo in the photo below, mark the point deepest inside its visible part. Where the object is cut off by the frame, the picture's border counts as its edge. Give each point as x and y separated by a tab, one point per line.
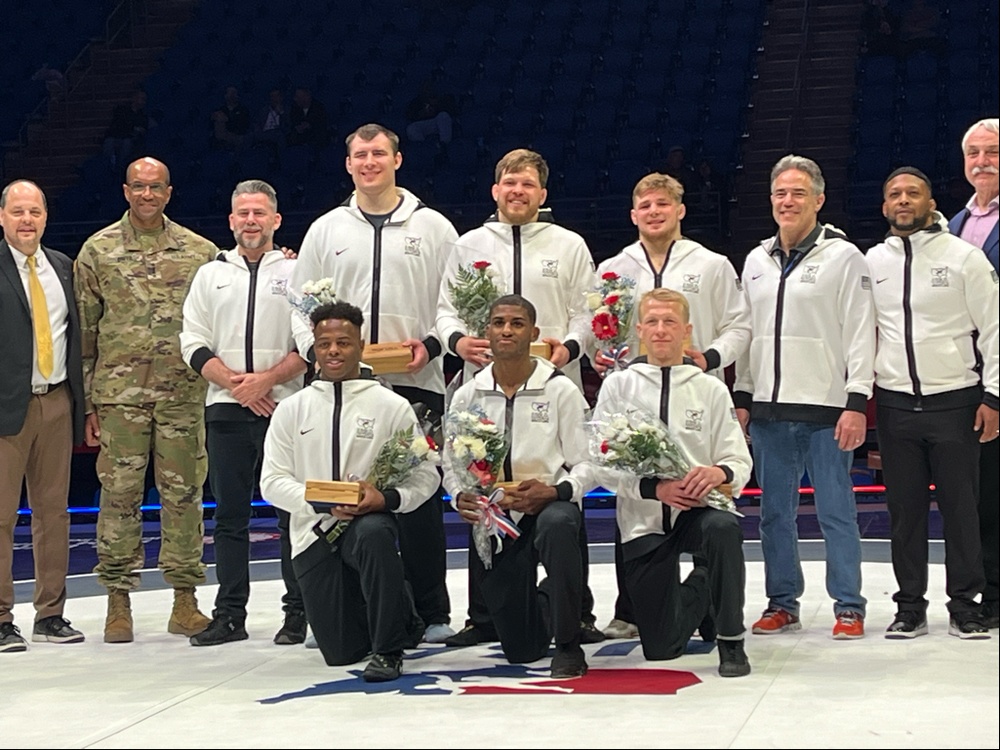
303	432
754	278
342	250
222	286
879	281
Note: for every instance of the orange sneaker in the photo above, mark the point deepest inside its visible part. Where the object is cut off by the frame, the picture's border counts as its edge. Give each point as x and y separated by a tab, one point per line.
849	626
775	620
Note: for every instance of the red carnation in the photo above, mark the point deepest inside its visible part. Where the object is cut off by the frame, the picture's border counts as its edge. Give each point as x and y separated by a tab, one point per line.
611	299
481	265
430	443
609	276
481	471
605	326
604	446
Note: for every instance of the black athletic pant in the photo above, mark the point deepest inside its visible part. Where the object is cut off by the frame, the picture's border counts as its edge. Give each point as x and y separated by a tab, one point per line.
667	611
422	545
527	615
357	601
479	614
919	448
989	517
624	610
235	449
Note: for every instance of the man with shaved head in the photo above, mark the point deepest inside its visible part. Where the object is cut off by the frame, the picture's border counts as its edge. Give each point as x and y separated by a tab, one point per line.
142	398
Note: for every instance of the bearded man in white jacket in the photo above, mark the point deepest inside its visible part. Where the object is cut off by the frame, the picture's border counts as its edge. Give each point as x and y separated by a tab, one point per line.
351	575
933	292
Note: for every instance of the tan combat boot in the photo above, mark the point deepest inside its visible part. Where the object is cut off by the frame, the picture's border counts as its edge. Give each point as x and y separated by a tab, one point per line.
185	619
118	625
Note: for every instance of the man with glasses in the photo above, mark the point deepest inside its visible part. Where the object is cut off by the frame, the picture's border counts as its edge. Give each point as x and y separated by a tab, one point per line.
141	397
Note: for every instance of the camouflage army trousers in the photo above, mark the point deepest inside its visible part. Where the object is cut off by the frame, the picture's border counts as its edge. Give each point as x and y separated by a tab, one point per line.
175	435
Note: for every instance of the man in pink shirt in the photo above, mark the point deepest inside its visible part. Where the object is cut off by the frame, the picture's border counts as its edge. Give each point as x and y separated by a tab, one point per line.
977	224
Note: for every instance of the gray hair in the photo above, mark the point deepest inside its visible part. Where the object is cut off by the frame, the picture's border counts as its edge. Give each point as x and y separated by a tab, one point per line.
253	187
3	195
992	124
802	164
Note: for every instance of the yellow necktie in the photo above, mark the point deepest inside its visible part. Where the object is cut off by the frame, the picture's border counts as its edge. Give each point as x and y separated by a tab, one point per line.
40	320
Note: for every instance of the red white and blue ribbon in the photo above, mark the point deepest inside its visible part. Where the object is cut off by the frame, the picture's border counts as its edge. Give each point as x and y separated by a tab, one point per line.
495	520
617	355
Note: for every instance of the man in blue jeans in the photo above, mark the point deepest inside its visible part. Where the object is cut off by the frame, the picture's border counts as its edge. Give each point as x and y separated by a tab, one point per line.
802	390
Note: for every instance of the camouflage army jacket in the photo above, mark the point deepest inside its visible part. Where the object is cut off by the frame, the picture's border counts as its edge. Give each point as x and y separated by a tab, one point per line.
130	303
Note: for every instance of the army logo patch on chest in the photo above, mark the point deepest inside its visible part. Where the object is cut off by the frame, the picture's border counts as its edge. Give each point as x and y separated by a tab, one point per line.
550	268
279	286
809	274
411	246
693	419
540	411
939	276
366	428
692	282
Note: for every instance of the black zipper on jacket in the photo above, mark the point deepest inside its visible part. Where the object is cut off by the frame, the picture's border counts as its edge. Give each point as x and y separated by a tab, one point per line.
338	395
779	317
517	258
911	356
508	426
251	311
658	275
665	418
376	286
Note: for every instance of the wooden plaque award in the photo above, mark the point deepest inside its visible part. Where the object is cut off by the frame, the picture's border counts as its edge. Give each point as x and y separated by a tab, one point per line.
387	358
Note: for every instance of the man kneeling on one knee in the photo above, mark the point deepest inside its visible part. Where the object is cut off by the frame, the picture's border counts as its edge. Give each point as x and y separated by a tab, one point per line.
352	581
540	413
661	518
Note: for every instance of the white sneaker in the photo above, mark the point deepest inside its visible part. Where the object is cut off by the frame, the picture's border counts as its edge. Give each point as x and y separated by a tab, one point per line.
311	641
437	632
621	629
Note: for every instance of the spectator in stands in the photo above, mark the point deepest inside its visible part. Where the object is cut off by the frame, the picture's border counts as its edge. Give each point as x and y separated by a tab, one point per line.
938	307
678	168
429	114
663	258
54	80
126	135
977	223
880	25
807	378
708	197
270	128
231	122
308	123
41	409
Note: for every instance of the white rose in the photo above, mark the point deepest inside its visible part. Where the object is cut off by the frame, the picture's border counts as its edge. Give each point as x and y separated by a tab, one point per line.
478	448
419	447
594	300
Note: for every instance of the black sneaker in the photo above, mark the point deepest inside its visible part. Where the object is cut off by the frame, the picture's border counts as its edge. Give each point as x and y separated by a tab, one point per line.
470	635
907	625
10	638
733	660
55	629
384	667
968	626
293	630
569	661
222	629
990	614
590	634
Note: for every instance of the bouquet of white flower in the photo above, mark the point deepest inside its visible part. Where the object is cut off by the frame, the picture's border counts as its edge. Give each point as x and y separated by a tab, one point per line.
399	456
640	444
314	294
475	451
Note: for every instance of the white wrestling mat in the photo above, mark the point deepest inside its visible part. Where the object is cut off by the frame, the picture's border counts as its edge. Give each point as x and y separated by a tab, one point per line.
806	690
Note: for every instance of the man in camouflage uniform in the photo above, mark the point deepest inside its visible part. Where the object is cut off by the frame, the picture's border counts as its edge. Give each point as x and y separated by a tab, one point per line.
141	397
